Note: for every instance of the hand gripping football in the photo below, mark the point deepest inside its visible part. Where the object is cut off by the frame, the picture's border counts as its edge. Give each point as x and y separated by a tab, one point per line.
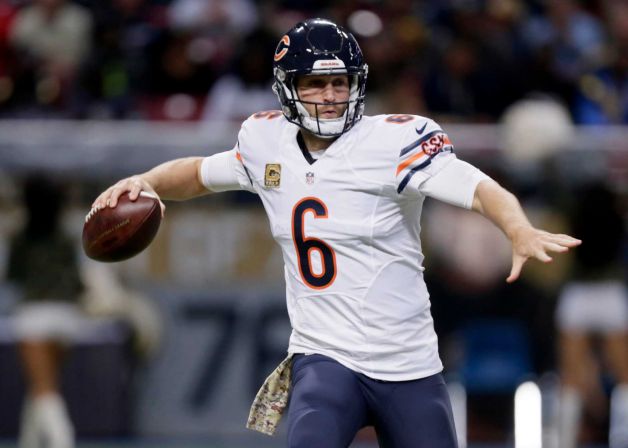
116	234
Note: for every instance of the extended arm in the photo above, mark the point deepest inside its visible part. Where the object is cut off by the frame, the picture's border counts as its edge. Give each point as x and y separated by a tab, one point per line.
503	209
178	179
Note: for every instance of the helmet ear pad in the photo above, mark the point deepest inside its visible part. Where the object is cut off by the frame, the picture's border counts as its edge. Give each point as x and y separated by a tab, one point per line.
283	86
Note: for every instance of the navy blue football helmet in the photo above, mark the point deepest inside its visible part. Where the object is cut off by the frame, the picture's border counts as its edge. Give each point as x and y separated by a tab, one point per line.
319	47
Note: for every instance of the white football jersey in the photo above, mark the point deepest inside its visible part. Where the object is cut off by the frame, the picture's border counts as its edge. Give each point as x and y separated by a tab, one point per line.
348	225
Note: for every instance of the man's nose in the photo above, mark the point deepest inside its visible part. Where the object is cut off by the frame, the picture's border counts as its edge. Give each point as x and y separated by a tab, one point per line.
329	94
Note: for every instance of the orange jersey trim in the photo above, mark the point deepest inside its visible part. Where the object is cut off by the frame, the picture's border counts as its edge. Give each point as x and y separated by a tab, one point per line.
403	165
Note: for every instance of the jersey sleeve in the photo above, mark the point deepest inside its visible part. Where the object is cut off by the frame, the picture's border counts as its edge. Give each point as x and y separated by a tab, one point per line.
455	184
427	150
225	171
427	166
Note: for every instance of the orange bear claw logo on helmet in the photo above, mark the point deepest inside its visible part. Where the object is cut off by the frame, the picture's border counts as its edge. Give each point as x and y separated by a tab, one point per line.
281	52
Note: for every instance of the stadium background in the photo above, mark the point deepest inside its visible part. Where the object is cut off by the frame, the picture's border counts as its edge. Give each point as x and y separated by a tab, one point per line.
533	92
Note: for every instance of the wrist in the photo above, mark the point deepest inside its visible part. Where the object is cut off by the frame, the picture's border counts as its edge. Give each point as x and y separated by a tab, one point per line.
147	181
514	231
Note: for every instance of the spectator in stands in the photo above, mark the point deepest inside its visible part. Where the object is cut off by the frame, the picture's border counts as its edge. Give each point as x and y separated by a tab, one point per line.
572	38
43	267
235	16
52	38
492	52
247	88
615	14
116	71
460	86
603	94
7	64
402	96
595	301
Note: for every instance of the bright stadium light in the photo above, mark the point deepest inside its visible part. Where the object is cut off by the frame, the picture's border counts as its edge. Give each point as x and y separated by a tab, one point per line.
528	417
365	23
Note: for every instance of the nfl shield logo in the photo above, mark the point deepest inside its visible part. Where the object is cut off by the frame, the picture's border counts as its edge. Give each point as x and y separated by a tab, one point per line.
309	178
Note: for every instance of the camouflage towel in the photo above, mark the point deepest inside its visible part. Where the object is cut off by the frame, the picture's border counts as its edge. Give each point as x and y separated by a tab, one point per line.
271	400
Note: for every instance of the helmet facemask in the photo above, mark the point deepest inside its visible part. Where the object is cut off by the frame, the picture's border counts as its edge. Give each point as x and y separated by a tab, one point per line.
295	111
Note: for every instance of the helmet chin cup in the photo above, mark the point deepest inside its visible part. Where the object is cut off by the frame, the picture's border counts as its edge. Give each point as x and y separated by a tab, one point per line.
324	128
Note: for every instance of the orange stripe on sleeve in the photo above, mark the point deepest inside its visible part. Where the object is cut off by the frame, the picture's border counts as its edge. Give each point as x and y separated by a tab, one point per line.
404	164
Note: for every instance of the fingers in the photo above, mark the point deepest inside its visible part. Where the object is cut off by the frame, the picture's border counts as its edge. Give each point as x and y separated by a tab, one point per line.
513	276
518	261
163	208
515	271
564	240
101	200
564	236
106	198
537	244
116	192
554	247
135	191
109	198
542	256
559	244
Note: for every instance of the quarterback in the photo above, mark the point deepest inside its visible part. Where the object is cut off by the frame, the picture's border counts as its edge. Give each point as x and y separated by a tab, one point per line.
344	193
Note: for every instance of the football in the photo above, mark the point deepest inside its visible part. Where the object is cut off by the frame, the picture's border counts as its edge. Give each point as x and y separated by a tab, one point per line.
116	234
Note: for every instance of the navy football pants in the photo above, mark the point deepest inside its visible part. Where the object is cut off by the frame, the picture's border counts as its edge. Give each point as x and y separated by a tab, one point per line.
329	403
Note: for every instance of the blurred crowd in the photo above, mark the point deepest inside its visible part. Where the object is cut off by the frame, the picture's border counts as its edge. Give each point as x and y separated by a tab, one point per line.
455	60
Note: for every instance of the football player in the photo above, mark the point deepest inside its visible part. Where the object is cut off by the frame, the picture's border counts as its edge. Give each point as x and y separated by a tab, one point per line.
344	194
